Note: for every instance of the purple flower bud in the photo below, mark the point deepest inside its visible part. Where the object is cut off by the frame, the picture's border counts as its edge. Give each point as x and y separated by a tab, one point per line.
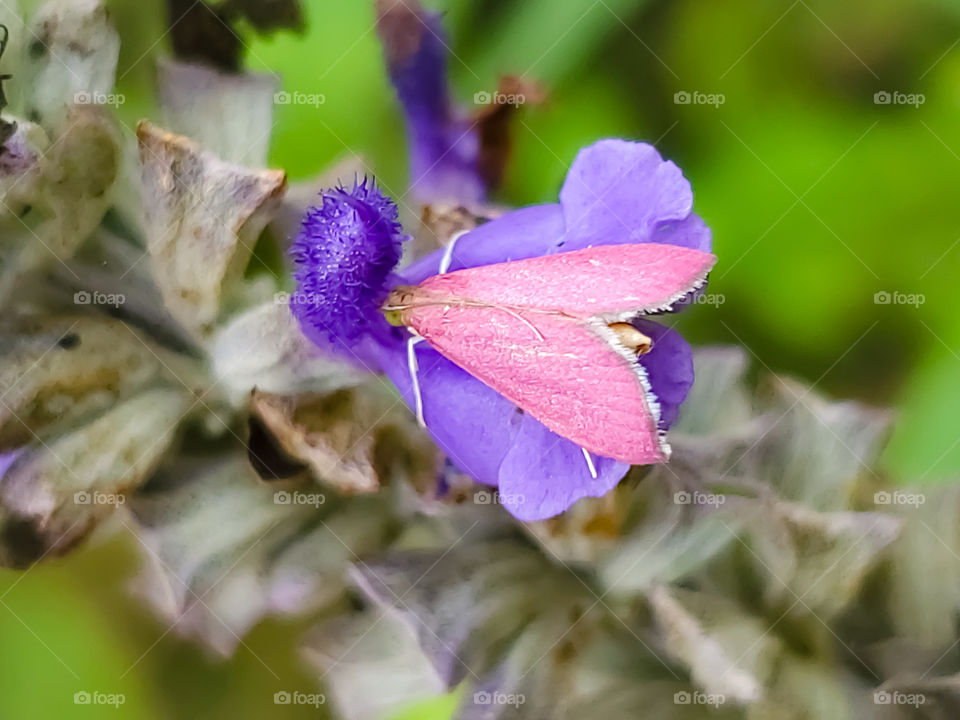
344	255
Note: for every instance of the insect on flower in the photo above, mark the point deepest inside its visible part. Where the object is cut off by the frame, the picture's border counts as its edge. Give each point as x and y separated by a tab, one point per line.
551	334
544	372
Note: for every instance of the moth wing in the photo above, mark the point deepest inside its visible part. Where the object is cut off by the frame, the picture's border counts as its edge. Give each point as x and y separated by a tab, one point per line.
566	372
612	281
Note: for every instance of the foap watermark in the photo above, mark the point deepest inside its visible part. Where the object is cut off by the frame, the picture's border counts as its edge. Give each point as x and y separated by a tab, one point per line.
86	497
886	697
483	697
695	97
297	298
885	97
698	698
498	98
299	98
884	297
99	98
898	497
495	497
284	697
683	497
285	497
84	697
715	299
84	297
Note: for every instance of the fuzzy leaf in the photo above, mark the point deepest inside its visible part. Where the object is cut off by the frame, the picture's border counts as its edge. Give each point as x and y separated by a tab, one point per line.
814	562
818	449
57	490
56	371
671	541
727	652
264	348
202	217
718	400
228	114
467	604
71	59
351	439
66	190
20	173
803	689
925	568
372	663
222	549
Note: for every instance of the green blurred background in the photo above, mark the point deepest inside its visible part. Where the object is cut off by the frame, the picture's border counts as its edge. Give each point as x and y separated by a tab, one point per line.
819	198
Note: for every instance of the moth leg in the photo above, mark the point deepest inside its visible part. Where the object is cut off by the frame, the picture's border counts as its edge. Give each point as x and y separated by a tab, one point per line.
590	466
447	257
414	378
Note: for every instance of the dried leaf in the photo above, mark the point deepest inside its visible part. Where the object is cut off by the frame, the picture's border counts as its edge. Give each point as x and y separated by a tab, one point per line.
67	190
80	171
223	549
264	348
20	172
924	572
372	664
56	371
347	436
228	114
71	59
201	32
57	490
814	562
673	539
269	15
727	652
818	449
719	400
804	689
202	218
465	604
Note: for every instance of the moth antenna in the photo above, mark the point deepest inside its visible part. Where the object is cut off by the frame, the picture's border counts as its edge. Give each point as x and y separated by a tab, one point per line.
590	465
521	319
414	378
447	258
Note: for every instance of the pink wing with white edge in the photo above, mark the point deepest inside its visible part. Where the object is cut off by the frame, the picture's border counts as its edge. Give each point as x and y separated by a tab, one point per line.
611	282
566	372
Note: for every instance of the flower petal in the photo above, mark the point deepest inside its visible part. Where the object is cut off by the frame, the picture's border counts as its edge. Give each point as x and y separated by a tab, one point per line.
520	234
669	366
691	232
539	473
543	474
618	192
472	423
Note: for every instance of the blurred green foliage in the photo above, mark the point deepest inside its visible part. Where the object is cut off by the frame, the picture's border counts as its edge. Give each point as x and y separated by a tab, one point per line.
819	199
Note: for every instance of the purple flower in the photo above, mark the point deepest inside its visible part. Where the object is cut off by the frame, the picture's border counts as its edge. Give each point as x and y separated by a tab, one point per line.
616	192
444	146
344	255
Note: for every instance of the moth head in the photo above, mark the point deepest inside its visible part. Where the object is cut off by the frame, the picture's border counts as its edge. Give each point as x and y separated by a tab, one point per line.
631	338
400	298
